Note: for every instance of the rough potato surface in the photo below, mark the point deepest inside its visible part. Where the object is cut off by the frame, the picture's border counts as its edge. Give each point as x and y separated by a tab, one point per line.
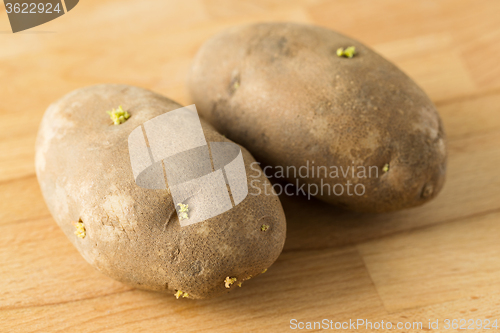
132	234
281	90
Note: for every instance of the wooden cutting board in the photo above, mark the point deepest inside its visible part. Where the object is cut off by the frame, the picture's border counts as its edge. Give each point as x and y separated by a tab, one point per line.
436	262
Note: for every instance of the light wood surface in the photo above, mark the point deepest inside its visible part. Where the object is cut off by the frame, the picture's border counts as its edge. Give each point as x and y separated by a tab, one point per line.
429	263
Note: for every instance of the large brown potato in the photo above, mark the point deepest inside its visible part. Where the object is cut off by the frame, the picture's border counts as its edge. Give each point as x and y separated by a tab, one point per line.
131	233
281	90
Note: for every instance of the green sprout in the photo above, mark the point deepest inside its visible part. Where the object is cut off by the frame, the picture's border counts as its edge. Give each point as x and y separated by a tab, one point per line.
183	211
118	116
229	281
264	227
179	294
80	229
385	168
348	52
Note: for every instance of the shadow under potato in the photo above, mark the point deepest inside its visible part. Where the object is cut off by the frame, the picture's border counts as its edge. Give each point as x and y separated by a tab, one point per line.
314	224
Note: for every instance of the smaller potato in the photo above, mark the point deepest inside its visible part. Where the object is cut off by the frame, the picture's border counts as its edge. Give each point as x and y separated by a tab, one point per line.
131	233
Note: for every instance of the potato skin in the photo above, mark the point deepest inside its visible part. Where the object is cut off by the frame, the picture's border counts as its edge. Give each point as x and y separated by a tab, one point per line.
132	233
280	90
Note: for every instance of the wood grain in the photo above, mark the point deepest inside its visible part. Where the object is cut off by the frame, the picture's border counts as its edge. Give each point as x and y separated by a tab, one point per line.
433	262
447	262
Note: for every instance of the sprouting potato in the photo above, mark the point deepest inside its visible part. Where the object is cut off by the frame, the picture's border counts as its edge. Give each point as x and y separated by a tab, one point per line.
132	233
304	96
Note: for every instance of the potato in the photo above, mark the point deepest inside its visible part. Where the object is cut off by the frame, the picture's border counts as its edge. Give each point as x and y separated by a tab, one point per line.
131	233
370	138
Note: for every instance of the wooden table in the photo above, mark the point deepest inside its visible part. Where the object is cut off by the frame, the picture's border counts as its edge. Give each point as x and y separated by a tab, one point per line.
429	263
